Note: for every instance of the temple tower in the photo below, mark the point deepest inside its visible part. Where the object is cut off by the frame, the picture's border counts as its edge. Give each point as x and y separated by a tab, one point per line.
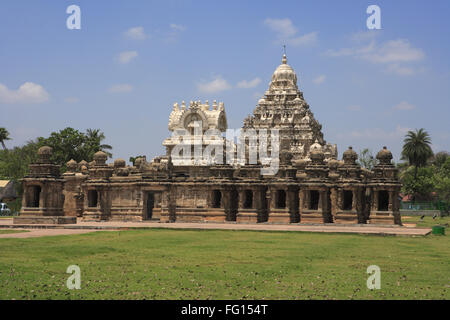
283	107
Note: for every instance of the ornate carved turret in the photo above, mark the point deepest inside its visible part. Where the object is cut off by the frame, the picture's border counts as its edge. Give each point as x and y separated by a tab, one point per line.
283	107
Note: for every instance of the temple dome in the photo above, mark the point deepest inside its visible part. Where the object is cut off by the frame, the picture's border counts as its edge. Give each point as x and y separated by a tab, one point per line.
119	163
284	75
350	156
44	154
384	156
100	157
71	165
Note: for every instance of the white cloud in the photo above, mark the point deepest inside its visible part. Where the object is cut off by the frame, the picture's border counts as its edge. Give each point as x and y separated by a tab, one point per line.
121	88
248	84
217	85
287	32
126	56
304	40
394	54
136	33
404	106
320	79
365	35
177	27
283	27
175	30
400	70
395	51
28	92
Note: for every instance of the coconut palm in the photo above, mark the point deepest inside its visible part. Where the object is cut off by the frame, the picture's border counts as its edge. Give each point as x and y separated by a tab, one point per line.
96	137
417	149
4	135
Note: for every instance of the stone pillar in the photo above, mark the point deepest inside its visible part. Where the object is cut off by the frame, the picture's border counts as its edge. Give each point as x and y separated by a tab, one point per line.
391	201
321	198
273	199
340	196
375	200
354	199
293	205
241	194
223	196
306	199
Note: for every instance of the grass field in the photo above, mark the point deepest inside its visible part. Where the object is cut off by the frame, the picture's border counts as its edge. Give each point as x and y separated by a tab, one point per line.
188	264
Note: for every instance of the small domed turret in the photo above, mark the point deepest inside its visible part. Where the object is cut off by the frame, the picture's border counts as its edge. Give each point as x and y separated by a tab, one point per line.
119	163
384	156
100	158
350	156
71	165
44	154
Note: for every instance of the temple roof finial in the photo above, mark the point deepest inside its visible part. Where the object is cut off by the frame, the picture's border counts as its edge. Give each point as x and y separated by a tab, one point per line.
284	60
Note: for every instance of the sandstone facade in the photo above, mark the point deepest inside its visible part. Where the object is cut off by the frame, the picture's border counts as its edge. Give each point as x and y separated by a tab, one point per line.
310	186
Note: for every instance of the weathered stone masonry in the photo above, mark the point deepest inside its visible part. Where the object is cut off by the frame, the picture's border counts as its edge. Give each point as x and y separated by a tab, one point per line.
311	185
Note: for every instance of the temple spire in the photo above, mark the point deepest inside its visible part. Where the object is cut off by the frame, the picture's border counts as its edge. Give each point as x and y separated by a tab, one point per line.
284	60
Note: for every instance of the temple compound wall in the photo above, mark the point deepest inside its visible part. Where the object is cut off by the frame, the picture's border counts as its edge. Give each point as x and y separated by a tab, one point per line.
310	186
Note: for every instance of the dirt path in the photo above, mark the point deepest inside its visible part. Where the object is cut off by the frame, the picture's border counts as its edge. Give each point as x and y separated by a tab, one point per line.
44	232
116	225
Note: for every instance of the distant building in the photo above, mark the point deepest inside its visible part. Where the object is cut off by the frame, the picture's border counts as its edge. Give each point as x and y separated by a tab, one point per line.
7	191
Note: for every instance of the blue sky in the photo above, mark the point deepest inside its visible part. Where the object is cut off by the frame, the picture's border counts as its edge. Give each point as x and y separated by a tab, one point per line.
132	60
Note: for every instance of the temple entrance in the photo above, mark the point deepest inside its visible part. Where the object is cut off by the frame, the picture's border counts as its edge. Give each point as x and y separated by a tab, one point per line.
348	200
150	205
281	199
92	198
248	203
383	200
314	200
34	197
217	199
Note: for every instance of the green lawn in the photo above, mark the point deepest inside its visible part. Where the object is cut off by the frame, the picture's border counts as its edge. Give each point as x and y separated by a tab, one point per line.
427	222
188	264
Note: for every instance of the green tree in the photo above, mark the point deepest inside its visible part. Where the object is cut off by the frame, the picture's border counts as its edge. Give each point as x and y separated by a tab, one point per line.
70	144
366	159
67	144
94	138
14	162
417	149
441	181
440	158
4	135
418	183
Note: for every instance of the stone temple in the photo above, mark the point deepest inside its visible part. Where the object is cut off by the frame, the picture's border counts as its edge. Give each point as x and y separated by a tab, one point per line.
310	186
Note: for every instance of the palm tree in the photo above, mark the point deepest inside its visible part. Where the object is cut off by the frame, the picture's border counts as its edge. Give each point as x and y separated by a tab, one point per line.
416	149
4	135
95	136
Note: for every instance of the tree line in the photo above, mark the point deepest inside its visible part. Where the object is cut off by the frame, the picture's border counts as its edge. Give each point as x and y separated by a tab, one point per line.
67	144
425	175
